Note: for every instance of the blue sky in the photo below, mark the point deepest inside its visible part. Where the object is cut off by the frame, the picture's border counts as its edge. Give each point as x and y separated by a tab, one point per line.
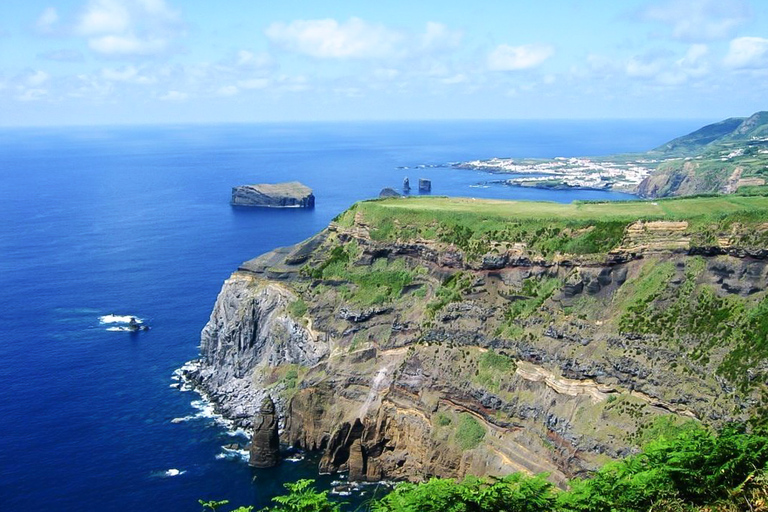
166	61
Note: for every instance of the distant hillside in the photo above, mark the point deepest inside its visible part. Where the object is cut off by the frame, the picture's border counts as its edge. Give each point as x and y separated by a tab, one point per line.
718	158
731	129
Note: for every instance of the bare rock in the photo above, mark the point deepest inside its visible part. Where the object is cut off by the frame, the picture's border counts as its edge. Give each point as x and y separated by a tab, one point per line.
265	443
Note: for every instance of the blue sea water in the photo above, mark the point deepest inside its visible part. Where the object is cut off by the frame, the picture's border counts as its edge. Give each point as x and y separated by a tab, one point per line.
136	221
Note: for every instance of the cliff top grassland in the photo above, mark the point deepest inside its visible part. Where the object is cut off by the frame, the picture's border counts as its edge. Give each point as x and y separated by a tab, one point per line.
547	229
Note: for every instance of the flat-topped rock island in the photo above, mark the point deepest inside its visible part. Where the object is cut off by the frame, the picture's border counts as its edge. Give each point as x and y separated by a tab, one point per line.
274	195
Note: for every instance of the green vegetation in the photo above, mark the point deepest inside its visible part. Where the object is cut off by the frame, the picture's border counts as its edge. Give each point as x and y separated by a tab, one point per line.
381	282
694	471
297	309
450	291
479	227
691	311
492	368
535	291
285	379
469	432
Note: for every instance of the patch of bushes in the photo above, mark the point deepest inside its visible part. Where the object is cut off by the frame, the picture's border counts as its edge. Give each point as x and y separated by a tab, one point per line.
695	471
469	432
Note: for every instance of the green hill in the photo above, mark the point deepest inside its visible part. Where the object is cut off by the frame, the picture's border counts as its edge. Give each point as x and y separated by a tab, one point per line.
729	130
719	158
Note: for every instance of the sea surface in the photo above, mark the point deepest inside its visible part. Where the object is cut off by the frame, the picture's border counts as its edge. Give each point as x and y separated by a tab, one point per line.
136	221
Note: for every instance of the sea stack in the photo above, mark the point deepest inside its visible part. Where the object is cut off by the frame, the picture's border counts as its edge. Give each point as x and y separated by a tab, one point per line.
425	186
274	195
406	185
265	443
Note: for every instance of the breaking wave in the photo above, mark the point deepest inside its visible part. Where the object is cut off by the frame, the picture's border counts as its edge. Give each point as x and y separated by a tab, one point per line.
119	319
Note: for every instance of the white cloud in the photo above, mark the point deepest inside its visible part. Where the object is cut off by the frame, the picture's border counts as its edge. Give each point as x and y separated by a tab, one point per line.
254	60
62	55
386	73
47	20
359	39
329	39
104	17
33	94
513	58
747	53
227	90
438	36
253	83
455	79
37	78
126	45
129	74
643	68
174	96
699	20
128	27
695	60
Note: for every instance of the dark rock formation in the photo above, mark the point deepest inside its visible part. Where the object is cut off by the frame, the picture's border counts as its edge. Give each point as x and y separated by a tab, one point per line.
388	192
265	443
278	195
406	185
425	186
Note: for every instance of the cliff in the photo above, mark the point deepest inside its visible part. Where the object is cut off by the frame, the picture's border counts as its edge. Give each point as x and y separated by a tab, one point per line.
444	337
279	195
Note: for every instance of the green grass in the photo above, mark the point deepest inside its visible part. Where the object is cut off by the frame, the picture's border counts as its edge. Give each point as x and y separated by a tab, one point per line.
482	209
450	291
469	432
297	309
479	227
381	282
536	290
492	369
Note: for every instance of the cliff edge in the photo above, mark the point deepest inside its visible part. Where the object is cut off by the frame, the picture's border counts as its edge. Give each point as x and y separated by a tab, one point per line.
444	337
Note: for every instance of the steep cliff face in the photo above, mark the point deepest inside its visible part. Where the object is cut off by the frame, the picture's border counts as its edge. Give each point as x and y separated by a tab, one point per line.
406	342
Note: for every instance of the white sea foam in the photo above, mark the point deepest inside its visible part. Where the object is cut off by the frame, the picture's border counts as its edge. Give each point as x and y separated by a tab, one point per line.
119	329
174	472
183	419
118	319
229	453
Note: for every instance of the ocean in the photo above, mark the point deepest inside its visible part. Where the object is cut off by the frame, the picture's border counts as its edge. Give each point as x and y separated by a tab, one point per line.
98	221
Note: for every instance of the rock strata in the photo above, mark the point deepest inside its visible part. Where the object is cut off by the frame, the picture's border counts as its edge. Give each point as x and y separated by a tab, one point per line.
265	442
274	195
553	363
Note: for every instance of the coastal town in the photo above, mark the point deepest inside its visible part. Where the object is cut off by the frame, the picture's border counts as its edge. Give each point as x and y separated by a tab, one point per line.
573	172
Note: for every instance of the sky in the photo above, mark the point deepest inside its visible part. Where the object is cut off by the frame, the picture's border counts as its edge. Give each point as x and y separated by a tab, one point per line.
81	62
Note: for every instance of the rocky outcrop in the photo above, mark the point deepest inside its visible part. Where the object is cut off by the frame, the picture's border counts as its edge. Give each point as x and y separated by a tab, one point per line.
487	363
425	186
265	441
278	195
389	192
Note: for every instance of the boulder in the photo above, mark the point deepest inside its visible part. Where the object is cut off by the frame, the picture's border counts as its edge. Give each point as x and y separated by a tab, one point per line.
425	186
274	195
406	185
265	443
